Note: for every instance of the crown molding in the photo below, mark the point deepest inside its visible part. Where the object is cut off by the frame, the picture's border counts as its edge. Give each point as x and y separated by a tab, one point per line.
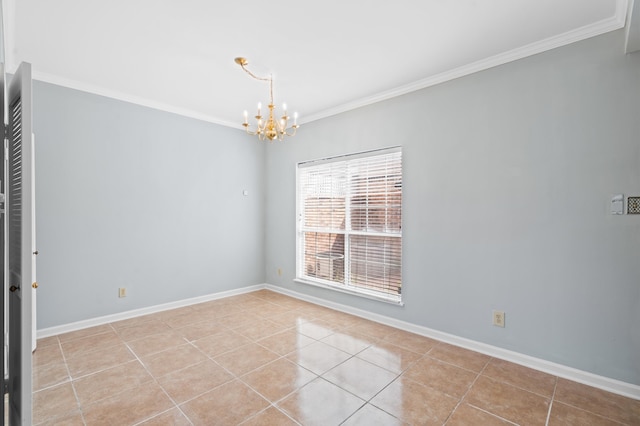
613	23
616	22
122	96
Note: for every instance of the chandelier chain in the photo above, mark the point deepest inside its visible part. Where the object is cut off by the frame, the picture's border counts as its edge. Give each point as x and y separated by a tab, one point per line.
269	79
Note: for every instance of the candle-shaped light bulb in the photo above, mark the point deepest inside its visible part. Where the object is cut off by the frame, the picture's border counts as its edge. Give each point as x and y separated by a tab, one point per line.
246	117
284	108
259	107
295	118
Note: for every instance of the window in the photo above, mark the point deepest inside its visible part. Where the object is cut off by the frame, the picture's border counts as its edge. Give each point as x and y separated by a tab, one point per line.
350	223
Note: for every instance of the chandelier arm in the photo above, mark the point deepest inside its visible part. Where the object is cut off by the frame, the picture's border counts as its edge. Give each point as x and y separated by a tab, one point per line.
250	132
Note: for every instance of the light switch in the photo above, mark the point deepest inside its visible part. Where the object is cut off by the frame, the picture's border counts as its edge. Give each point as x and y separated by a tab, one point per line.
617	204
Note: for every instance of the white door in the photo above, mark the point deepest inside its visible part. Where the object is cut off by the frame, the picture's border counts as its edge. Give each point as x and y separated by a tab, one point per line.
34	250
19	245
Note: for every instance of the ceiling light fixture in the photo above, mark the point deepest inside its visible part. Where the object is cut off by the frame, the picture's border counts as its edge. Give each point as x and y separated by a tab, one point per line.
271	128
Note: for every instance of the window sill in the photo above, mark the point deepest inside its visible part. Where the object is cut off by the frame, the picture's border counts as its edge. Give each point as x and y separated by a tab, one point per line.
339	289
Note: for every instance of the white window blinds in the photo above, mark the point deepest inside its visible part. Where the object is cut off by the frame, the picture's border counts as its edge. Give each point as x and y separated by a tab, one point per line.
350	223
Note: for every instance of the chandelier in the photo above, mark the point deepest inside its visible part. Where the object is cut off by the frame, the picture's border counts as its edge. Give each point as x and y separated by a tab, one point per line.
271	128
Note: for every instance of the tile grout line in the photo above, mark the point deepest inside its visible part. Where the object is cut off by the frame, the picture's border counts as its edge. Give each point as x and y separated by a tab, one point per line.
137	358
72	378
340	327
553	396
75	393
273	403
461	399
234	376
160	414
499	380
398	375
239	378
318	376
494	415
495	379
585	410
368	401
352	356
175	405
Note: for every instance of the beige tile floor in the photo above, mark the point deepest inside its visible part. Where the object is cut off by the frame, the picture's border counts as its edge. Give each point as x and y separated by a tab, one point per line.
267	359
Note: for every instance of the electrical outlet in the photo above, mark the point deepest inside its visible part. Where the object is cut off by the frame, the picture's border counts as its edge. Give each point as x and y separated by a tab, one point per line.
498	318
122	292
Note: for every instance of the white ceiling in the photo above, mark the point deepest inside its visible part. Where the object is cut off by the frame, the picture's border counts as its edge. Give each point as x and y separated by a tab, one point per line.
326	56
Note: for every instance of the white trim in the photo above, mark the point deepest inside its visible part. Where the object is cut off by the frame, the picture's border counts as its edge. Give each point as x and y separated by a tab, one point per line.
611	385
340	172
605	383
611	24
125	97
361	292
632	35
350	156
622	10
92	322
8	13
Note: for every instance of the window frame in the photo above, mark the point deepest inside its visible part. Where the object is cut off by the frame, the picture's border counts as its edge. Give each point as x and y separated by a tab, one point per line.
345	287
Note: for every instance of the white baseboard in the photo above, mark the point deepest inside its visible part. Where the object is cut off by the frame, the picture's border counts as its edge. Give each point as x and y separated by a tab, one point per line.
92	322
611	385
605	383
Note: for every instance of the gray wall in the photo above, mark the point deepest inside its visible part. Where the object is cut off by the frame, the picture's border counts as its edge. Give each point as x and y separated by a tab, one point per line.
508	175
133	197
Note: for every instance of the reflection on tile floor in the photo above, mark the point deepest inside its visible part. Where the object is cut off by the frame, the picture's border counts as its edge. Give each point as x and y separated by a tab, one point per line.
263	358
